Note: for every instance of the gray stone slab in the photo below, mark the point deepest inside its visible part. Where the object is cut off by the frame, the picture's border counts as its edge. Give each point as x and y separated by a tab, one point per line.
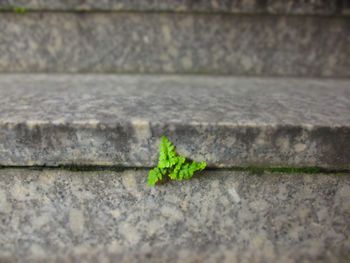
175	43
319	7
226	121
61	216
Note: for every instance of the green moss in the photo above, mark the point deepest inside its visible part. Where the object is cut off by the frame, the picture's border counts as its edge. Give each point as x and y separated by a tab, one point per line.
19	10
307	170
256	170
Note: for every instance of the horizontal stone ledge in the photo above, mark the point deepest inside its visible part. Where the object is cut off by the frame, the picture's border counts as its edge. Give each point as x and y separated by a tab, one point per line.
118	120
317	7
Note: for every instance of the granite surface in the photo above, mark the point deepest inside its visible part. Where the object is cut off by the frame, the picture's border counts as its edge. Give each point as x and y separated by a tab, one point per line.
222	216
226	121
151	42
319	7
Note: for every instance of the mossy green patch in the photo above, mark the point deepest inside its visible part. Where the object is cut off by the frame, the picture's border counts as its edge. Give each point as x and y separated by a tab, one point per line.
19	10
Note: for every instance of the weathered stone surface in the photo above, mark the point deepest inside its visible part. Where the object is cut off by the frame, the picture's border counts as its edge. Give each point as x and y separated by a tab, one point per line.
319	7
175	43
118	120
55	215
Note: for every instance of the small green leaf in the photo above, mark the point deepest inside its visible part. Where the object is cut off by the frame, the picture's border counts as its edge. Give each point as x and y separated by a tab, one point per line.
154	176
174	175
167	155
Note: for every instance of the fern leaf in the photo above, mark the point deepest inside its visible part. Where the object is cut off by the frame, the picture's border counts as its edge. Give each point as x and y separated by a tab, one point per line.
167	156
154	176
174	175
188	170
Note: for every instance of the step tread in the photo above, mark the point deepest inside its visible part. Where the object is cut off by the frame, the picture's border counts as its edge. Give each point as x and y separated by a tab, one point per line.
318	7
109	99
63	216
227	121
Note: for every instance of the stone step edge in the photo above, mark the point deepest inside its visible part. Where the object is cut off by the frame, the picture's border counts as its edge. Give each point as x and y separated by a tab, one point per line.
51	120
341	10
126	144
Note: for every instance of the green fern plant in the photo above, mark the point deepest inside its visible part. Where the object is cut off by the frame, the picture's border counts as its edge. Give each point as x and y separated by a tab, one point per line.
172	165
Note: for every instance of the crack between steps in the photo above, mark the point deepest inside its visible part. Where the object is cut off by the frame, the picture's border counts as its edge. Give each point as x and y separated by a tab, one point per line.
249	169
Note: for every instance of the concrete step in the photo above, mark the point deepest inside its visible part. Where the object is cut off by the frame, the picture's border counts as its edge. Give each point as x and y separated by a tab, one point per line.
318	7
222	216
118	120
173	42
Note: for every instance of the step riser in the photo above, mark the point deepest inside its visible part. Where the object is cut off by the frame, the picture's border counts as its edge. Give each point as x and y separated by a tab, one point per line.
136	145
175	43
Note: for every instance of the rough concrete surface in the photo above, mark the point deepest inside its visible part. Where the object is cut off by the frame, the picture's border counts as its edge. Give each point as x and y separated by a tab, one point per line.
218	216
151	42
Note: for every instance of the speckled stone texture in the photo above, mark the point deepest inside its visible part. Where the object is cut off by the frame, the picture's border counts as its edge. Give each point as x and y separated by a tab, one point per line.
150	42
319	7
61	216
226	121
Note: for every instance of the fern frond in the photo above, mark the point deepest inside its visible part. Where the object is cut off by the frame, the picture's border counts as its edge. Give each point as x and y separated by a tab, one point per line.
172	165
174	175
154	176
188	170
167	156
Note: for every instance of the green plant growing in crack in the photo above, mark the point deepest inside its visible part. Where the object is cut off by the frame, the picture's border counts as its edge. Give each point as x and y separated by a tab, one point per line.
172	165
